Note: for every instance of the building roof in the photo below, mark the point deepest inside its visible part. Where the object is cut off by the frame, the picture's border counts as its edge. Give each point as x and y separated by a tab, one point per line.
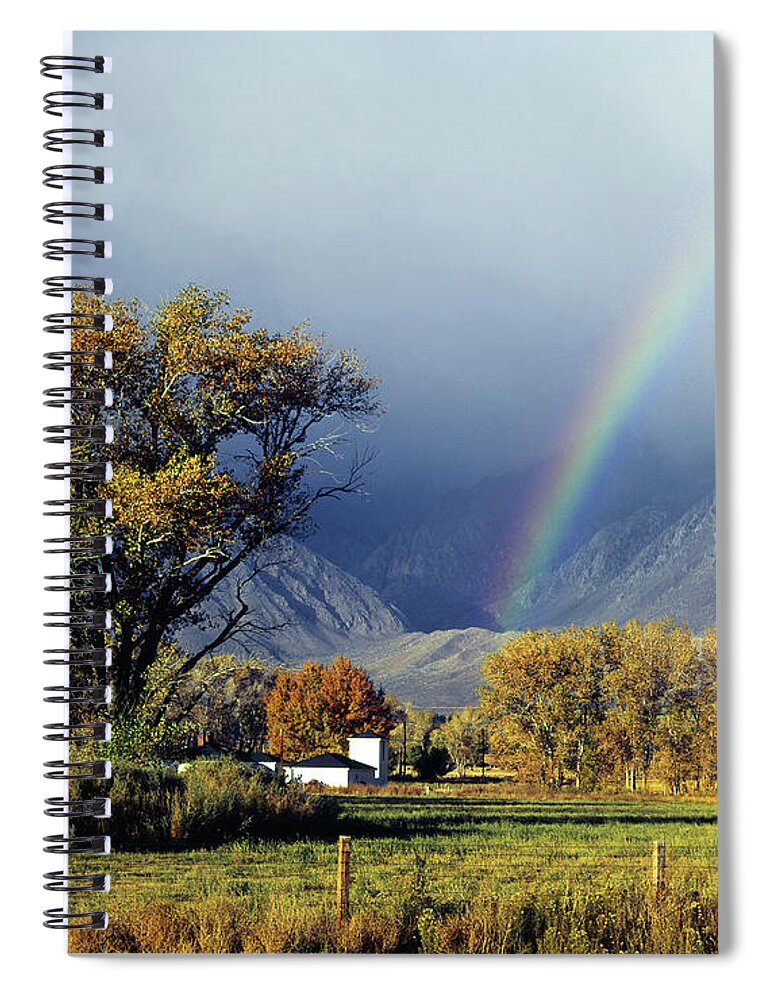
332	760
368	735
259	756
213	750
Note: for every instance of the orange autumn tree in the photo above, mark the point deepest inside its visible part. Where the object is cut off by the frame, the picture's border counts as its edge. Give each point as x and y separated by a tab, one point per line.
315	709
226	436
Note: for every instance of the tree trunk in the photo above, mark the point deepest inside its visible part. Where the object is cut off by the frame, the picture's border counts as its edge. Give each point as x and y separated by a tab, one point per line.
578	764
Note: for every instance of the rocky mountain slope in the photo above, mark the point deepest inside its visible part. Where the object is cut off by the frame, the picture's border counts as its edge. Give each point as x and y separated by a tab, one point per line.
645	565
308	607
304	606
446	568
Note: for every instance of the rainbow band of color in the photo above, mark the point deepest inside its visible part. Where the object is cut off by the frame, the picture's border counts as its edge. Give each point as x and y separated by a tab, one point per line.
603	412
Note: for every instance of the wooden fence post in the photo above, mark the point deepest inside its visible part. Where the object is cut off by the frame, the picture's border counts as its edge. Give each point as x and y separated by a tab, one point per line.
343	882
658	867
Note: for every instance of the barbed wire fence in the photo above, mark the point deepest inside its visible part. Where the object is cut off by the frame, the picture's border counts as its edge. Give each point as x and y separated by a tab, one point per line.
350	875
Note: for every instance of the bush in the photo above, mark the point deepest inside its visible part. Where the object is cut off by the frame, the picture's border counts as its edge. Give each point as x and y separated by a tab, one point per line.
433	763
221	796
143	802
212	802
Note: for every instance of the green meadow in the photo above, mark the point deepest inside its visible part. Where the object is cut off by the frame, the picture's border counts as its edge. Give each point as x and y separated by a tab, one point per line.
459	868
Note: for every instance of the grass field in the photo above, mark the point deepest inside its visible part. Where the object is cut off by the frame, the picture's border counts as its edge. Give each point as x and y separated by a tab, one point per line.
446	871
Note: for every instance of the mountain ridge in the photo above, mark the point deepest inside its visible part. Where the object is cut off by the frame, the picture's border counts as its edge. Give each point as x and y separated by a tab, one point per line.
648	564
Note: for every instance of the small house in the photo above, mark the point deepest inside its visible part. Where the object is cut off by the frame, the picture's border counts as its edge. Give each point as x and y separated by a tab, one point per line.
333	769
207	749
366	765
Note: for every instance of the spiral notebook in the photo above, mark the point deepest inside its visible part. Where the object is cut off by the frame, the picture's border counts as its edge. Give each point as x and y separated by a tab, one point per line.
383	365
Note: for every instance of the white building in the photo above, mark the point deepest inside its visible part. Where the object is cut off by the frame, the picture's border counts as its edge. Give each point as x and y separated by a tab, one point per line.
373	750
207	749
366	765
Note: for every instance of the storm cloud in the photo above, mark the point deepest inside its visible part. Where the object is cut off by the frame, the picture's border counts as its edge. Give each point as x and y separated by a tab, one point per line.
477	214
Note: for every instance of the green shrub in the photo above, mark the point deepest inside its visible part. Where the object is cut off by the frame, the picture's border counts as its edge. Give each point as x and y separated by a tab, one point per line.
433	762
212	802
221	797
143	799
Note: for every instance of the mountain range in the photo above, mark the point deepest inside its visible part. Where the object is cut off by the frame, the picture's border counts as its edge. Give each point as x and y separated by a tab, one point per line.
420	613
451	565
644	566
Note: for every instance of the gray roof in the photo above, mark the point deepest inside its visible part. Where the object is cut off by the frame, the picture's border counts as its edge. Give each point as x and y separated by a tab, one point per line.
214	750
332	760
368	735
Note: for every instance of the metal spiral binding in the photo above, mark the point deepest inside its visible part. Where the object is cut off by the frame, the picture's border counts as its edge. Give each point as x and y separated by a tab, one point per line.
53	66
62	248
58	211
57	138
60	174
87	580
60	361
57	101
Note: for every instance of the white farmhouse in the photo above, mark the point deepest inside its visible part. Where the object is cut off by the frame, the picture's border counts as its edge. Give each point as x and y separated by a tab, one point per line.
207	749
366	765
373	750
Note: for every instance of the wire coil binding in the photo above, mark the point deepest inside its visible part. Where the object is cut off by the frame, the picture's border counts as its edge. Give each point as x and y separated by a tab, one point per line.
58	211
98	808
86	694
57	101
85	579
57	138
63	882
60	285
78	770
94	472
60	361
59	174
53	66
62	248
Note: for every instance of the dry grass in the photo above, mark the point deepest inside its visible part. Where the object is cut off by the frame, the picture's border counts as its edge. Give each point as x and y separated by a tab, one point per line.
433	874
616	921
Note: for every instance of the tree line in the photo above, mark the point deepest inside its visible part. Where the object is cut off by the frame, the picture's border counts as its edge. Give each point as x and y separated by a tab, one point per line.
586	708
605	705
246	705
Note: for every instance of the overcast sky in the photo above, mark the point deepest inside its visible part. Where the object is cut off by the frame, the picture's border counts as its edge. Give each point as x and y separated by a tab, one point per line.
477	214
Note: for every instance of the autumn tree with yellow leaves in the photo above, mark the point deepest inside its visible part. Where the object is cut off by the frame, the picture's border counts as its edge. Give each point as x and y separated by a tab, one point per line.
218	424
543	695
607	704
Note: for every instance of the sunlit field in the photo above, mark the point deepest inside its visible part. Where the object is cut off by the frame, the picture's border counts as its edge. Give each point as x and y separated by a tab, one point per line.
436	872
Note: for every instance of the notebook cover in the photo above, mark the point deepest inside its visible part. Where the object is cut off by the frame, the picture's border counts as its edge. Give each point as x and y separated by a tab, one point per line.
413	493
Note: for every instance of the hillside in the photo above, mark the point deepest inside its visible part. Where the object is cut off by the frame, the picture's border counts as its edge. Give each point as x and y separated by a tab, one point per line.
439	670
305	606
646	565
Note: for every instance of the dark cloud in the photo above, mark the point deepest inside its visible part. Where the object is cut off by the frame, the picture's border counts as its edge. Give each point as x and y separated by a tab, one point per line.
476	213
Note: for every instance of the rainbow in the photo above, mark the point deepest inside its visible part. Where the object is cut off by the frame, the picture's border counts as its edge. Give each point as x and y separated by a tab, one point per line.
601	415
